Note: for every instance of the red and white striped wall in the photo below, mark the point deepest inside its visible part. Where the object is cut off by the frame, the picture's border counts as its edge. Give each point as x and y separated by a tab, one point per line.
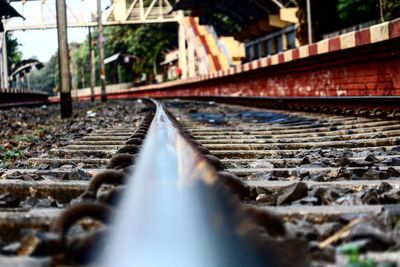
359	63
373	34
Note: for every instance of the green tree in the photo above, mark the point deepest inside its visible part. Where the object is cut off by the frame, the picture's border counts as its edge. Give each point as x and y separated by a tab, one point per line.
14	55
118	40
391	9
223	24
352	12
46	79
146	42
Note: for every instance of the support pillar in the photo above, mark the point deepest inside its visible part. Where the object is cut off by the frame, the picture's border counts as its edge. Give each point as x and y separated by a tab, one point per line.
91	67
4	81
2	36
182	47
5	62
101	54
309	22
191	59
63	55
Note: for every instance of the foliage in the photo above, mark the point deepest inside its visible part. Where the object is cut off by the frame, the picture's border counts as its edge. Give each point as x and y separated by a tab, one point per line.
146	42
391	9
46	79
352	12
354	258
8	155
223	24
26	138
397	225
14	55
118	40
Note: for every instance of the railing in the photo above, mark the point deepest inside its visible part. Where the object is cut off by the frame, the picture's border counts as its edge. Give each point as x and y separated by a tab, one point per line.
351	29
21	91
17	97
111	88
272	43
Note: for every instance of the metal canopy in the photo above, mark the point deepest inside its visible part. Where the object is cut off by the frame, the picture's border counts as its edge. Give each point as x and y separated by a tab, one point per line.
83	13
7	10
241	11
112	58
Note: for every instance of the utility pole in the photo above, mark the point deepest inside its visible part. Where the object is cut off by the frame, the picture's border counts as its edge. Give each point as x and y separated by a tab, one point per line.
309	22
101	54
63	63
4	60
91	67
28	78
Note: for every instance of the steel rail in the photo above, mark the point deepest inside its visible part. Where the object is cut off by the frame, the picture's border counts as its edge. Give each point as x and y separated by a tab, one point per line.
171	213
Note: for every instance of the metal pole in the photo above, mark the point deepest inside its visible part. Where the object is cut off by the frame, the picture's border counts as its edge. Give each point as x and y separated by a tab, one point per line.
28	77
83	78
5	61
91	67
65	76
101	54
1	62
381	11
309	22
119	72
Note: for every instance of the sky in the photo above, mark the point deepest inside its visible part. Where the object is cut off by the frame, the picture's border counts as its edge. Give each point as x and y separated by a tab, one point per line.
42	44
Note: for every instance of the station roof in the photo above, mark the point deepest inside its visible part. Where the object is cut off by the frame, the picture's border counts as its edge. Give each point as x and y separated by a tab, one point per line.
7	10
112	58
241	11
26	65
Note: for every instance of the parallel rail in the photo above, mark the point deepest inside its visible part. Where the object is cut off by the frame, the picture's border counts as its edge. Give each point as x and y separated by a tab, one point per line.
20	97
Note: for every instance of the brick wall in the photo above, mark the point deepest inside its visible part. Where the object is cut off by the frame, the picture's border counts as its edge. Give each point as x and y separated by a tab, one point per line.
360	63
368	71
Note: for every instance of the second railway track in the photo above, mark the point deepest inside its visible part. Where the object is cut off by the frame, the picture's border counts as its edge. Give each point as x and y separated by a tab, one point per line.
333	179
336	179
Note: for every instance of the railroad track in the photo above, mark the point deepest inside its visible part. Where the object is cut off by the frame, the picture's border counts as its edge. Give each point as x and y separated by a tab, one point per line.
322	173
310	185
